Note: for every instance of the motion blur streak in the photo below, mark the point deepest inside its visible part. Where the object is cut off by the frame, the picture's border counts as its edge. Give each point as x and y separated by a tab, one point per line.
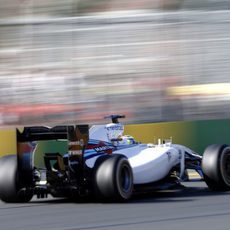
79	60
205	89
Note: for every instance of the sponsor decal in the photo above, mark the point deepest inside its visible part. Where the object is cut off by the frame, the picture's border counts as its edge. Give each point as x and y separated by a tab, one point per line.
169	155
81	142
115	127
75	152
102	148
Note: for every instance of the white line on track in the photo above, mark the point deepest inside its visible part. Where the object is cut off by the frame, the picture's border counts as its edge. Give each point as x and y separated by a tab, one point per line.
156	42
113	45
109	27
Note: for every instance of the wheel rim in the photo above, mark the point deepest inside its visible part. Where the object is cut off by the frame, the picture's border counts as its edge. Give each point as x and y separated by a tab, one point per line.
125	180
225	166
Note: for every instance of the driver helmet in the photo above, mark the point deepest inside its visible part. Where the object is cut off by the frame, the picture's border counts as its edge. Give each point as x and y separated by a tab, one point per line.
126	140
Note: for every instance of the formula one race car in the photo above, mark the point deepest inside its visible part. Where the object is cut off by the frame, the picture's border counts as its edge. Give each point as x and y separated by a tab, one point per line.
102	162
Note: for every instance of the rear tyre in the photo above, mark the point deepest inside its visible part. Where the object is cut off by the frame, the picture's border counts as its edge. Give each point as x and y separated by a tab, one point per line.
216	167
10	190
113	178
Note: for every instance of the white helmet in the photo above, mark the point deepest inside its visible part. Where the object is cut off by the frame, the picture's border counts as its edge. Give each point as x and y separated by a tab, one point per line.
126	140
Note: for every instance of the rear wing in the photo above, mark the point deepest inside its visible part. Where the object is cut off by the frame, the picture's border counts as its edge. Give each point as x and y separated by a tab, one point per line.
39	133
77	137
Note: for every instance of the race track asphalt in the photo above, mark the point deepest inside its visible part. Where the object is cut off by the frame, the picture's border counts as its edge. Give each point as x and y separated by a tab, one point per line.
188	208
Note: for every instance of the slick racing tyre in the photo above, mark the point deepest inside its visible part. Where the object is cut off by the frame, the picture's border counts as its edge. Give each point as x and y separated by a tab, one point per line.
113	178
9	184
216	167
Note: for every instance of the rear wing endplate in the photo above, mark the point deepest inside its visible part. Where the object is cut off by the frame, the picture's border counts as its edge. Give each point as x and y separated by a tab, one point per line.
77	137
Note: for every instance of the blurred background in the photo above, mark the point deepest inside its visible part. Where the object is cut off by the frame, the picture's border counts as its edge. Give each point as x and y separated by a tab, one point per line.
75	61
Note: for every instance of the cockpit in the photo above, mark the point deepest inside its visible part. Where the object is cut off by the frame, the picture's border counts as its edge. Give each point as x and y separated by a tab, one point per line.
112	133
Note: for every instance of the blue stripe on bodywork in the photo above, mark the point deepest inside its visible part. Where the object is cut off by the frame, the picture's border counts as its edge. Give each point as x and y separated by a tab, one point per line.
90	153
96	142
94	155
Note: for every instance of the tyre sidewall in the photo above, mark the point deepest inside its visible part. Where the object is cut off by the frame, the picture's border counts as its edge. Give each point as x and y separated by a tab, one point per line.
9	181
8	177
223	158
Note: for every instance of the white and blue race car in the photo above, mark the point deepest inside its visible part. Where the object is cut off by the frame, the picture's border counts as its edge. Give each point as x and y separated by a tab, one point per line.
103	163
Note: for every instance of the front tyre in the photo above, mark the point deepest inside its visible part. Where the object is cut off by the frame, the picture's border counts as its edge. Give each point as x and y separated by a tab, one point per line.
9	183
216	167
113	178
